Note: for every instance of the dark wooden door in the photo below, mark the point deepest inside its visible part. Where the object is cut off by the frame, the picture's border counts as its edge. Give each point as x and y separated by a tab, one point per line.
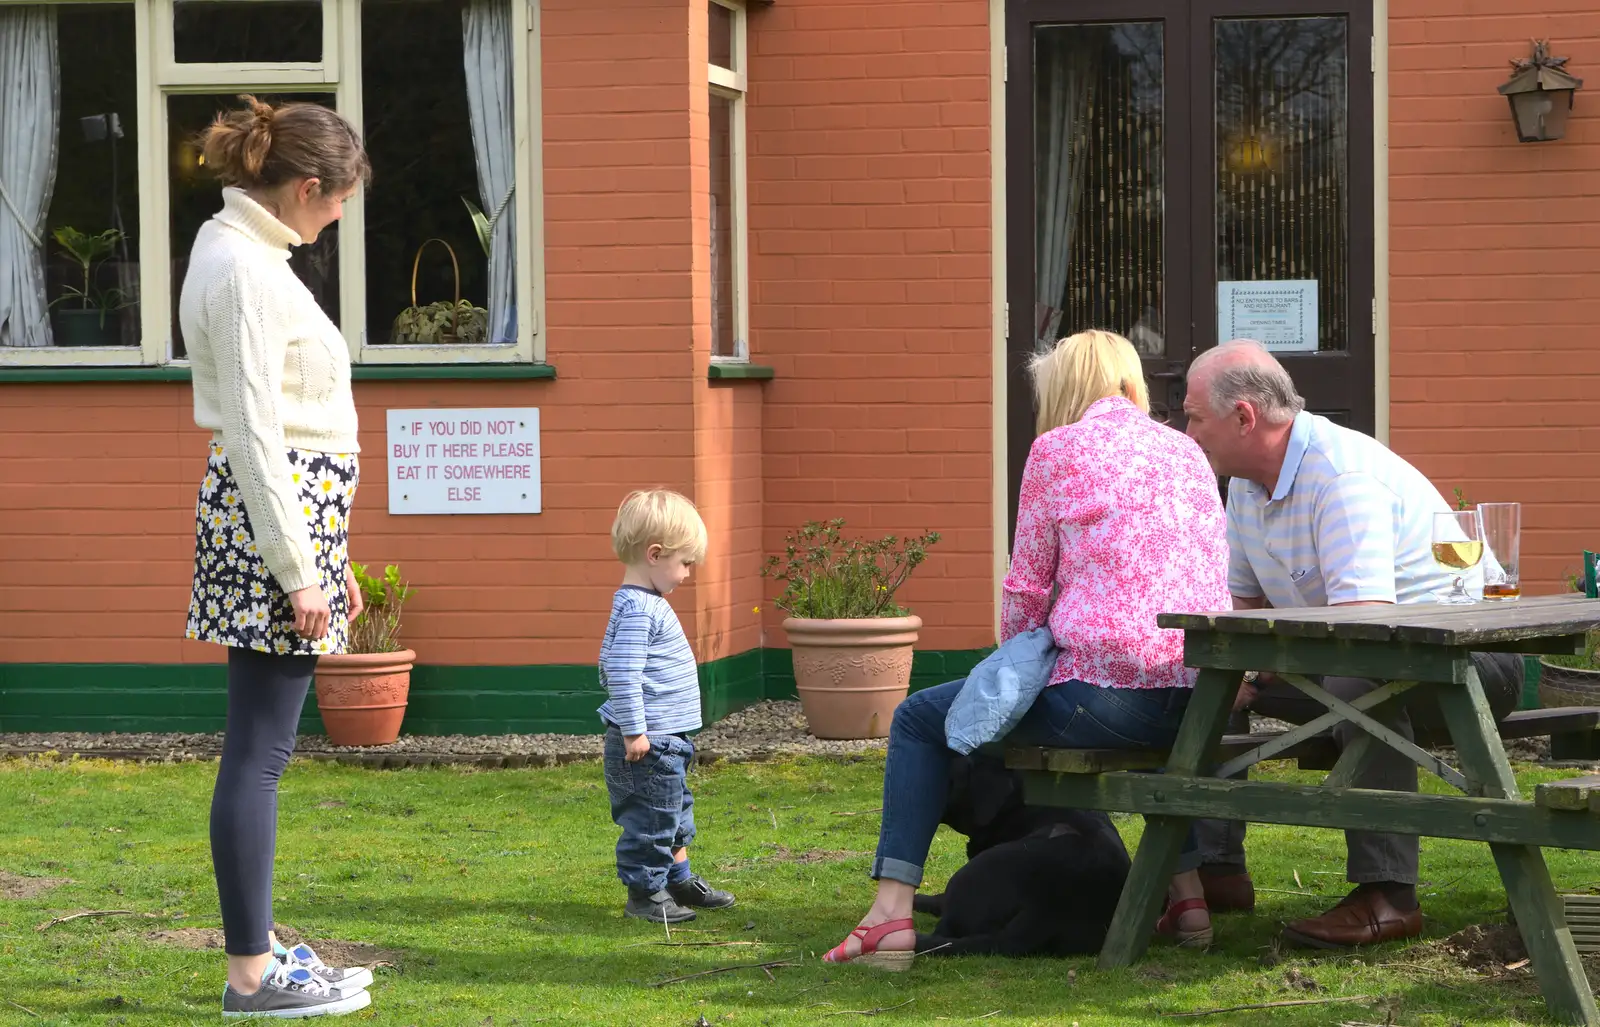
1162	152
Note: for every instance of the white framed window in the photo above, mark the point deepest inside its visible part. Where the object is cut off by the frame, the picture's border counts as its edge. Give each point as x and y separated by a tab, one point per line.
725	78
102	189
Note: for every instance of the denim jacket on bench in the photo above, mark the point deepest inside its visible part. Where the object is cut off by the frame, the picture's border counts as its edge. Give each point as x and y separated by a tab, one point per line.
1000	690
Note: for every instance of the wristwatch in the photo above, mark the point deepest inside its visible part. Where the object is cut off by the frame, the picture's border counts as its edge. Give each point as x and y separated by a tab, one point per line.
1250	676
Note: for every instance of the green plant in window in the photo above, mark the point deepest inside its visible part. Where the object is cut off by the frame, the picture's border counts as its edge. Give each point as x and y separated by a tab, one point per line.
829	577
86	251
480	222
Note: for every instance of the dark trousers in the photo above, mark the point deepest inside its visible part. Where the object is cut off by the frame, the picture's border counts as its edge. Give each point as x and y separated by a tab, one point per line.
1370	856
265	694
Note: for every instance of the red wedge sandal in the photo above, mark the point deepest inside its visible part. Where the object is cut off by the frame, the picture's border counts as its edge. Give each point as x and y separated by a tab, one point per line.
869	954
1168	927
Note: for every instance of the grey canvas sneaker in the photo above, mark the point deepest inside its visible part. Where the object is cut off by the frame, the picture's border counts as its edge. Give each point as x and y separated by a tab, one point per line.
292	992
345	979
658	908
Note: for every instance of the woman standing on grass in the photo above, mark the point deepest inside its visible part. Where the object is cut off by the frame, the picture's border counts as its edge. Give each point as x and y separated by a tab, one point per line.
1118	520
272	578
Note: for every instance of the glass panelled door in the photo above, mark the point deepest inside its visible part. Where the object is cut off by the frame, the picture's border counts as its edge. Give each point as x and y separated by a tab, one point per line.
1185	172
1095	228
1288	144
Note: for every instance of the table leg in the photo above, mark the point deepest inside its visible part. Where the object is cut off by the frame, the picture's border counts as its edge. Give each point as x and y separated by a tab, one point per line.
1140	905
1532	896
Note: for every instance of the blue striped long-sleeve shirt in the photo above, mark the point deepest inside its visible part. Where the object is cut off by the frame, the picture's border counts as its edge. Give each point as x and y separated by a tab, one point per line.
647	667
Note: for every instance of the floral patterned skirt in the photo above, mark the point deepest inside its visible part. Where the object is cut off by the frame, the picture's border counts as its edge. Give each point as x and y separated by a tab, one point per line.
236	600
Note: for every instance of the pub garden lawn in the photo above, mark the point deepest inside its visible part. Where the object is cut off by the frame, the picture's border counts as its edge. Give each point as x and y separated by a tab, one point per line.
491	898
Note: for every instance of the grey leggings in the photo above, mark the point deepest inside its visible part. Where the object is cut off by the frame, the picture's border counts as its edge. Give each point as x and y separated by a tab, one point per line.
265	694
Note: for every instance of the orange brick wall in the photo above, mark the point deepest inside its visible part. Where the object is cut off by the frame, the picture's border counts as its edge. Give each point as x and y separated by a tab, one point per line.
869	272
1495	251
96	512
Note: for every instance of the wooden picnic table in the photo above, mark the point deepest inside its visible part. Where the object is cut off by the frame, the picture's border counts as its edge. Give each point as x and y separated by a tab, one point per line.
1411	647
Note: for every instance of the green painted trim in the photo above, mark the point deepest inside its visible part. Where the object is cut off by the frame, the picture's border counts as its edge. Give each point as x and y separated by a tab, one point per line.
61	375
545	698
360	373
735	372
442	372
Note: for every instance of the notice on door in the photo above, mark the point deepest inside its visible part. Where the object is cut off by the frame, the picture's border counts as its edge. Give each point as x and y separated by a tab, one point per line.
464	461
1282	316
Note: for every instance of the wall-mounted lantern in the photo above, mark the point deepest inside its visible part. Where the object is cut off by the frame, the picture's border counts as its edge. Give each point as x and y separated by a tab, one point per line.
1540	93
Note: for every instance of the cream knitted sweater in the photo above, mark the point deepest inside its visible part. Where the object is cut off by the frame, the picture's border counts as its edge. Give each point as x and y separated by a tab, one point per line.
271	373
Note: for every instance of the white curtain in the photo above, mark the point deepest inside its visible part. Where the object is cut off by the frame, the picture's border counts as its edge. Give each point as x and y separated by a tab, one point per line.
1063	93
30	116
486	53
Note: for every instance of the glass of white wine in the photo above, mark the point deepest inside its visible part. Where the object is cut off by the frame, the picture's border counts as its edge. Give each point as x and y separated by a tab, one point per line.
1457	547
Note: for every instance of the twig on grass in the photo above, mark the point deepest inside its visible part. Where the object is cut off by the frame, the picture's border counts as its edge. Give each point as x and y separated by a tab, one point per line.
986	1016
1286	891
723	969
691	944
857	813
25	1009
870	1012
1275	1005
87	913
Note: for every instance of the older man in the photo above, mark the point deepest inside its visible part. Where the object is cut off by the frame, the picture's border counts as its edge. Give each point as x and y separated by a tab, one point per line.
1320	515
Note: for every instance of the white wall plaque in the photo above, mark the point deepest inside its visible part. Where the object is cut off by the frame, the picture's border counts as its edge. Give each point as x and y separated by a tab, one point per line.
1280	315
464	461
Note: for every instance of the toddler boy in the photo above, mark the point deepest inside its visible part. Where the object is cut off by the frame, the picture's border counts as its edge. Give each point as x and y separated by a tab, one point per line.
649	671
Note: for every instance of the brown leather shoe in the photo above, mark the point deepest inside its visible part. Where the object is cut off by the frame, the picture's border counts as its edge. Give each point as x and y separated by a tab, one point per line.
1228	892
1363	918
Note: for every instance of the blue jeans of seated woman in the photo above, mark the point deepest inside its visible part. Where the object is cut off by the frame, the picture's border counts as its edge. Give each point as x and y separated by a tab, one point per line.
1072	714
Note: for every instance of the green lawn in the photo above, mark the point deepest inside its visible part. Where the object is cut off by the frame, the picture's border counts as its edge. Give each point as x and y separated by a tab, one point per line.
494	894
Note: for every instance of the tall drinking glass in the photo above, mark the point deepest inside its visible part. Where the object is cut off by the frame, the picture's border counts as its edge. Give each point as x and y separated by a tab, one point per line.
1502	542
1458	547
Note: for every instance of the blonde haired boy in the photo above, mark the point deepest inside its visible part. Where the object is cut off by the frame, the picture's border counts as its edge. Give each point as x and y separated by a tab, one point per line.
649	672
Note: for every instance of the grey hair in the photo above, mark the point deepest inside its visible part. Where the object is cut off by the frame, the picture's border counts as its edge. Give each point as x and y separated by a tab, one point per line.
1265	385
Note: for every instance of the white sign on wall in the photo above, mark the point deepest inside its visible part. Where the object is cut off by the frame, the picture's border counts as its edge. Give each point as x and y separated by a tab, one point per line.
464	461
1282	316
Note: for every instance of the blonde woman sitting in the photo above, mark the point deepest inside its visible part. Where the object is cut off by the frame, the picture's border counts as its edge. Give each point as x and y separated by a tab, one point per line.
1119	516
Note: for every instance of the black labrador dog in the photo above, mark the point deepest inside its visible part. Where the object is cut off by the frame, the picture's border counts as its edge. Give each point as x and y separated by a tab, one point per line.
1038	880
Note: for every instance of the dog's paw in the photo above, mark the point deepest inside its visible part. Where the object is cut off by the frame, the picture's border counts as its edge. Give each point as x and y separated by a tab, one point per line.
933	905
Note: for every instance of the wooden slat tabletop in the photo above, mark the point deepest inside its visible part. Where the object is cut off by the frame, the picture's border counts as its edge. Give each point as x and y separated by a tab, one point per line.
1425	623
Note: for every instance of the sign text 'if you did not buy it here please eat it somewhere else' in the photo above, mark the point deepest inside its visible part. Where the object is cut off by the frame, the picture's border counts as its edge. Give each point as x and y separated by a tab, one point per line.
464	461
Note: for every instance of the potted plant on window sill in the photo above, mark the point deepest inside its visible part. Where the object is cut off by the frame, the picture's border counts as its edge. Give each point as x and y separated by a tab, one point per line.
88	323
362	693
852	643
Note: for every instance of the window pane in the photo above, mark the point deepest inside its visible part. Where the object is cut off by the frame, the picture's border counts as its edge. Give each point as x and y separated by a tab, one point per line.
1283	159
196	196
440	131
719	35
724	342
69	274
1098	182
247	31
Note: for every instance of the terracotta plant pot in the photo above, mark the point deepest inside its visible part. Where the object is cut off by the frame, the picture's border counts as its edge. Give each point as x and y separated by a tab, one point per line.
851	674
362	696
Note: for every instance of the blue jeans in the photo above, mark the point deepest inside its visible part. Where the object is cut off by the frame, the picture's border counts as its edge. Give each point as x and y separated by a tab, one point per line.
1072	714
650	801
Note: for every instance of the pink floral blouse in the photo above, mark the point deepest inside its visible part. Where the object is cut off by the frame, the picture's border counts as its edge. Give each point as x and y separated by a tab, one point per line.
1122	514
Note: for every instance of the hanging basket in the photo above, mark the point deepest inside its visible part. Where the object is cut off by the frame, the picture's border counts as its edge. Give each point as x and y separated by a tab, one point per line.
446	322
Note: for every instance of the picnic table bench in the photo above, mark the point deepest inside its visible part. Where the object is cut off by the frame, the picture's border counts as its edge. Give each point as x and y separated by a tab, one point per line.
1414	647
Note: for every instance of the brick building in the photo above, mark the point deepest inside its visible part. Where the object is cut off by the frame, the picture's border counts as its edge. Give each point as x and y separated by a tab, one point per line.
785	257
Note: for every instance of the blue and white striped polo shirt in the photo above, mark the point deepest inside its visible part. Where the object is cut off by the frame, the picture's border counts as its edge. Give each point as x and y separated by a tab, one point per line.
647	667
1349	521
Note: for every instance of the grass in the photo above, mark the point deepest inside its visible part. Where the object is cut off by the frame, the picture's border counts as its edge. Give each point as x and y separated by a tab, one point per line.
496	893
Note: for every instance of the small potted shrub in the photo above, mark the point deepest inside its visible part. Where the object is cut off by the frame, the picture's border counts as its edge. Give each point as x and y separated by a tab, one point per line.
851	641
362	692
87	322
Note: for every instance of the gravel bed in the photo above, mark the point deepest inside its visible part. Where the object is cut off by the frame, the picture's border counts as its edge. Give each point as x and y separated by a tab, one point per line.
764	730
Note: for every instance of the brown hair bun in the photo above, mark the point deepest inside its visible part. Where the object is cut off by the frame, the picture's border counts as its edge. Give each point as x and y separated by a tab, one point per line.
262	146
